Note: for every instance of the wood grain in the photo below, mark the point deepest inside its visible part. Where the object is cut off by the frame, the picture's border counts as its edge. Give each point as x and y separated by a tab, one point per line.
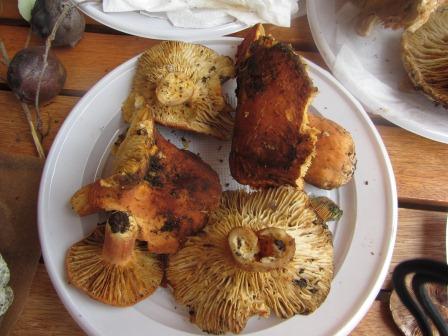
421	234
15	136
44	313
420	166
378	321
94	56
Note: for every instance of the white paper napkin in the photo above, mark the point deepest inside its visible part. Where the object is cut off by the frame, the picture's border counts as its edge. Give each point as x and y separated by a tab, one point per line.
210	13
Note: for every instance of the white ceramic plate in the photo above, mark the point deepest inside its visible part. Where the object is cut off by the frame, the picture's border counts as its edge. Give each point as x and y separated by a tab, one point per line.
363	239
137	24
378	57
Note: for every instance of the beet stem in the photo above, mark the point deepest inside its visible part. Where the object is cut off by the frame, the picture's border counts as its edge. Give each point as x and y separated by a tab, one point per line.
34	134
25	108
48	42
28	38
5	56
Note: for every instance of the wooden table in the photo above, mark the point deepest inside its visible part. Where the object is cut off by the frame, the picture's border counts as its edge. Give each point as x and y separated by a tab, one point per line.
420	165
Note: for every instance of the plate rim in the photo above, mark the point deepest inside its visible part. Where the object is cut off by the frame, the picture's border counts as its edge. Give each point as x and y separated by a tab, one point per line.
194	33
329	58
389	182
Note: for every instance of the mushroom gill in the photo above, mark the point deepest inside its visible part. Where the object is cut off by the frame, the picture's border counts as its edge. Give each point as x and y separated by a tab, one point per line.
260	252
424	55
112	267
182	84
410	14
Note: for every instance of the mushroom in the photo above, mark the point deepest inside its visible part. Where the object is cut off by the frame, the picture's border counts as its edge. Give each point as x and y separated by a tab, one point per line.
272	142
410	14
325	209
111	267
424	56
182	84
252	35
335	161
404	319
156	196
6	293
260	251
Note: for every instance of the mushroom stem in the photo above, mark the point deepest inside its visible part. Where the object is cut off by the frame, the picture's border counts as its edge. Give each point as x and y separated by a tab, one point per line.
119	239
264	250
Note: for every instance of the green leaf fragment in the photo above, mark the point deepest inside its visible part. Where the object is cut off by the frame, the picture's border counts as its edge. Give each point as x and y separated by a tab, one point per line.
326	210
25	8
6	299
4	272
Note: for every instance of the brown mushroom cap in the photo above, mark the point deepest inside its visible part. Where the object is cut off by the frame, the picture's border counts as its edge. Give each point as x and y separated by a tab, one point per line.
157	194
424	56
181	82
221	295
118	284
335	161
272	143
168	191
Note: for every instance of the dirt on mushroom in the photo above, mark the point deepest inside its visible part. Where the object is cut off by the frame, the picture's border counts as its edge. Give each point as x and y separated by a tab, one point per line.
240	265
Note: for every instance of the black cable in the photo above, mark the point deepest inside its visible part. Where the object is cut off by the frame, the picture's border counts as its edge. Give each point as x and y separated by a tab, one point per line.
424	268
418	285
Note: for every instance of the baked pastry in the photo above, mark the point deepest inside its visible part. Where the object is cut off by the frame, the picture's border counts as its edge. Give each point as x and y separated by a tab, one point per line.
335	161
260	252
424	55
182	84
272	144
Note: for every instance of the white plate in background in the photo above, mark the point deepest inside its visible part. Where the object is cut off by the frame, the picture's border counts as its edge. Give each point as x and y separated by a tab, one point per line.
363	238
378	56
135	23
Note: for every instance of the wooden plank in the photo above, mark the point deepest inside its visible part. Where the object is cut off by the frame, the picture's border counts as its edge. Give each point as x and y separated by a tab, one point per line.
420	166
298	34
378	321
84	70
44	313
15	136
421	234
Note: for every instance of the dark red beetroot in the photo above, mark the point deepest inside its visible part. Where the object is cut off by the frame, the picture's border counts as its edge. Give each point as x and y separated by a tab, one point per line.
44	15
24	71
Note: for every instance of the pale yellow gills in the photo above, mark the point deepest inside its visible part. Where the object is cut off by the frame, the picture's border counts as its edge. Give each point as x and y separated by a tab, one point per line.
260	252
425	56
182	84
